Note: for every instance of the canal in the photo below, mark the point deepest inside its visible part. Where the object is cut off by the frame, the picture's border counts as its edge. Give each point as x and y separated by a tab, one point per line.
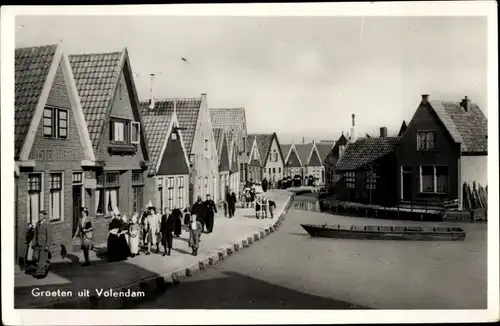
291	270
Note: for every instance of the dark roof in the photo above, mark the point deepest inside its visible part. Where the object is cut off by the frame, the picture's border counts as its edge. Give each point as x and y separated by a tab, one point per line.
364	151
324	150
402	129
231	120
264	145
96	76
285	148
293	159
303	151
468	128
187	111
157	130
31	70
218	137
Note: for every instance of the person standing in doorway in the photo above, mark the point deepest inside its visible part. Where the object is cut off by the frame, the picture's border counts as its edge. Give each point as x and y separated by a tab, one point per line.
210	211
84	231
198	209
42	243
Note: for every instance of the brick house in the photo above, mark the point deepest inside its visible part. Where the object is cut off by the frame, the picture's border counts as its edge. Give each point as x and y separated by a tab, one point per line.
444	145
316	166
293	164
109	99
224	161
52	145
330	162
234	123
197	134
271	158
167	182
367	171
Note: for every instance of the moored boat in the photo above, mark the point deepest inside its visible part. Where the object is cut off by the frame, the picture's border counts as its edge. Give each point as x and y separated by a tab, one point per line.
385	232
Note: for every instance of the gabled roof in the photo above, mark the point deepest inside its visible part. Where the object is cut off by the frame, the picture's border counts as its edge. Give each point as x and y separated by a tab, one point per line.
218	138
323	150
230	119
251	142
285	149
304	152
35	70
157	129
402	129
364	151
264	142
97	76
335	151
470	128
187	111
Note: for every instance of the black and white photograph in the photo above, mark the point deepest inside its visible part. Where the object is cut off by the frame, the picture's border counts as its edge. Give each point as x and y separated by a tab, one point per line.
308	160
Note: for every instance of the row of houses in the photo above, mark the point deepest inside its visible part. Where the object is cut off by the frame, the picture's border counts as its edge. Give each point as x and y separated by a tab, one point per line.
443	146
83	138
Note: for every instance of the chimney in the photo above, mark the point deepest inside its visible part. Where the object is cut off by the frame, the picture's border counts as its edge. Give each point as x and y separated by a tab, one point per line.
425	98
383	132
175	106
303	140
353	128
204	104
465	104
151	97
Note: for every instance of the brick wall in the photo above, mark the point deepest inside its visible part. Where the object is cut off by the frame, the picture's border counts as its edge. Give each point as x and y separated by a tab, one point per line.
52	155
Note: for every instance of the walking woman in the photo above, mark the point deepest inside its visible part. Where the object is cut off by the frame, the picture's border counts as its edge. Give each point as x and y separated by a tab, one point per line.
187	218
84	231
194	234
152	230
113	245
124	238
177	216
134	233
210	211
29	259
166	229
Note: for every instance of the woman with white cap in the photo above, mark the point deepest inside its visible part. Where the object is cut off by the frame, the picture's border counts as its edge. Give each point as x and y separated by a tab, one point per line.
134	233
113	247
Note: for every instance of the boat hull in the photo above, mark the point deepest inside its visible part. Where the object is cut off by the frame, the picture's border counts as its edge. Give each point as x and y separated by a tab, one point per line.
385	233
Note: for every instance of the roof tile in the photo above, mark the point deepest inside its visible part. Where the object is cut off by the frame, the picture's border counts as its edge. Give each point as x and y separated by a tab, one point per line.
156	128
364	151
232	120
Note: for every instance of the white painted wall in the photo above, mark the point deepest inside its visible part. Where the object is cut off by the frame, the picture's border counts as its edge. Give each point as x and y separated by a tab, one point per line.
474	168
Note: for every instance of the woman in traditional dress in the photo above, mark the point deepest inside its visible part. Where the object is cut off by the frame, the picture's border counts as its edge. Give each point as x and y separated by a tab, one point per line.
177	215
124	239
187	218
29	259
166	229
84	231
152	230
134	234
194	234
113	248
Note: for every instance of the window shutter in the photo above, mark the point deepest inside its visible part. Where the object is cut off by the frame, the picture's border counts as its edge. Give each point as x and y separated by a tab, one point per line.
111	130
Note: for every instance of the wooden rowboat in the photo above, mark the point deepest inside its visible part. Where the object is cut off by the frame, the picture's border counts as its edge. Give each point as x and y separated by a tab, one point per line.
385	232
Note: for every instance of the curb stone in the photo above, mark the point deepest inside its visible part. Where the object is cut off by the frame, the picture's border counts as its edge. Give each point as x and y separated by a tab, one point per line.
154	285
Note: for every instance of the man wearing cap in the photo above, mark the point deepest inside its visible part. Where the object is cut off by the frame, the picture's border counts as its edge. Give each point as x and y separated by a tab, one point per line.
42	243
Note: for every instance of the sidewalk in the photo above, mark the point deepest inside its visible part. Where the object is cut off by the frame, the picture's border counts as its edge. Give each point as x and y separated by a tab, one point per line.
145	274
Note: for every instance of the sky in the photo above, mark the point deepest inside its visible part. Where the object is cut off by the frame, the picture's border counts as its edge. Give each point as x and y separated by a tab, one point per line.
297	76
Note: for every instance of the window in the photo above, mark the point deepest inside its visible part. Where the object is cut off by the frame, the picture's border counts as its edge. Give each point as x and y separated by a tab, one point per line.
107	192
434	179
55	123
137	177
242	172
174	135
138	203
427	179
117	131
135	129
274	170
56	200
160	193
206	185
425	140
35	196
371	180
207	154
170	193
180	192
191	158
77	178
279	170
270	169
350	179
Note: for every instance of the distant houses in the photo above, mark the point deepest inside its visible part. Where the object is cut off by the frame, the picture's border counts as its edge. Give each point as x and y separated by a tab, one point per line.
224	161
330	163
266	159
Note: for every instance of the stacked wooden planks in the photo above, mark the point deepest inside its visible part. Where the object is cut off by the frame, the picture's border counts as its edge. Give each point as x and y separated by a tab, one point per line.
475	197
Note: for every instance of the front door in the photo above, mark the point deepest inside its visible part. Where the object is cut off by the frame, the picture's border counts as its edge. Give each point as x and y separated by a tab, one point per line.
407	183
77	206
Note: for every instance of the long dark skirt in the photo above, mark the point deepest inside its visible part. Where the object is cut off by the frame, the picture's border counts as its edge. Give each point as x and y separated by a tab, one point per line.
118	248
177	226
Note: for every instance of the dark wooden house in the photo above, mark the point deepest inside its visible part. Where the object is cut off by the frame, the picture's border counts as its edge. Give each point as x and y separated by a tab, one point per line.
330	162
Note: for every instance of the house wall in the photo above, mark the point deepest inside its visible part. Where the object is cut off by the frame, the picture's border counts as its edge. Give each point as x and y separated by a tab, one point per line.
159	195
385	193
273	171
205	170
474	168
56	156
446	153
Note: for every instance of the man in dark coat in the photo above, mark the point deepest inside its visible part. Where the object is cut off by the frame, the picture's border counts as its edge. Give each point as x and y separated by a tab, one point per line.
166	229
264	184
198	209
41	246
210	211
232	204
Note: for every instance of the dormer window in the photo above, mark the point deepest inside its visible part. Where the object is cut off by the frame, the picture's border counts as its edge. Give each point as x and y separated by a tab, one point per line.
135	129
55	123
124	131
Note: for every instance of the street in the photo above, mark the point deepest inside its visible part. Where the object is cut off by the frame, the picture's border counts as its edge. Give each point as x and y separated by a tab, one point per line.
290	270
